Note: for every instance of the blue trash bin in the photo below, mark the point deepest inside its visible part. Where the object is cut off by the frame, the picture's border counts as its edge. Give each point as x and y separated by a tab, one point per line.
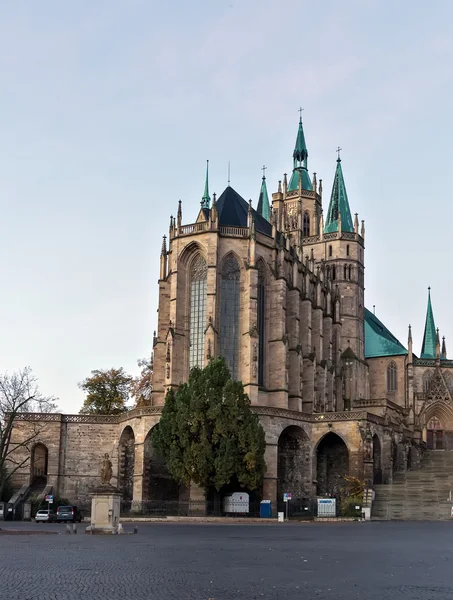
265	509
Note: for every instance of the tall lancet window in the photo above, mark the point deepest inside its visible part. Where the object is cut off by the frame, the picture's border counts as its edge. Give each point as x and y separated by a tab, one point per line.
198	273
229	313
306	224
261	320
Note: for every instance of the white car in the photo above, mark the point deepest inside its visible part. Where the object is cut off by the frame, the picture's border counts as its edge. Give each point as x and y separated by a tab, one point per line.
45	516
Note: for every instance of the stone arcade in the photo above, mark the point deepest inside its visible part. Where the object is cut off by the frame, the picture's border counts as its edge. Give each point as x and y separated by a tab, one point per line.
279	292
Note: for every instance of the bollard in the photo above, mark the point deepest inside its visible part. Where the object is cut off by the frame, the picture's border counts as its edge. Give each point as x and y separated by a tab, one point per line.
92	529
68	529
74	528
120	529
136	529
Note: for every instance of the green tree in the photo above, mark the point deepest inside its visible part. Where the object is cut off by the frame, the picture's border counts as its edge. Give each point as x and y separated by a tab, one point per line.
141	386
208	433
107	392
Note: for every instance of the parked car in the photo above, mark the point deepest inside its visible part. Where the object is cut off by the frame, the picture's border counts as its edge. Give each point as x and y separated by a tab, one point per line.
45	516
68	513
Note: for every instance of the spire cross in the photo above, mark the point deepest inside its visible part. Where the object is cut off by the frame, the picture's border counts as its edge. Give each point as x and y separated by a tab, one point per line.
263	168
300	112
338	152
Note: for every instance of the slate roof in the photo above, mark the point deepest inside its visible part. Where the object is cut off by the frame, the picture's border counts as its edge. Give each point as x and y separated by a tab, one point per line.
379	341
233	210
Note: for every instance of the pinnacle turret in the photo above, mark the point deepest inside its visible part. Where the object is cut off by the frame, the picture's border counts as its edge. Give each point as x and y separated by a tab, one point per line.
300	162
206	200
263	207
339	211
430	334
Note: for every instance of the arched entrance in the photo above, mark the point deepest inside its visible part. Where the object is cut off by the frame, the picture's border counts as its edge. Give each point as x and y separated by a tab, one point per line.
126	462
377	465
39	463
293	464
435	434
332	464
158	485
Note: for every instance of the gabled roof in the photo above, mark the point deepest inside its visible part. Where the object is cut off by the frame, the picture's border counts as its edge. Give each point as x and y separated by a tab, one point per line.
430	335
379	341
339	205
233	210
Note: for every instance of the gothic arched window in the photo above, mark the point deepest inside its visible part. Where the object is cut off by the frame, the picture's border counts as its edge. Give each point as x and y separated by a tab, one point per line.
229	313
261	320
349	272
391	377
306	224
198	274
426	381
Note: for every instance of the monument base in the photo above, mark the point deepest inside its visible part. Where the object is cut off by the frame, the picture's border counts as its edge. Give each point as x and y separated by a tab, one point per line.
105	511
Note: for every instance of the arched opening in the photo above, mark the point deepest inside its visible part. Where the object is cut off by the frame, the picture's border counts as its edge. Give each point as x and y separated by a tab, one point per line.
377	465
261	318
435	434
229	312
332	464
391	377
306	224
293	465
198	279
39	464
126	463
159	487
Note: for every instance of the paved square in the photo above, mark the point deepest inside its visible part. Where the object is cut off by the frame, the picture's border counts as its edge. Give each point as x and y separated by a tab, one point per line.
184	561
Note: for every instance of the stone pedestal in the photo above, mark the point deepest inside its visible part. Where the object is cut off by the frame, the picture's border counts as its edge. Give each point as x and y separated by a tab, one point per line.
105	510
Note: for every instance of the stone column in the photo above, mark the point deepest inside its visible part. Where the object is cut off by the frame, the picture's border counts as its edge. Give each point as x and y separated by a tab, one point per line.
137	496
270	483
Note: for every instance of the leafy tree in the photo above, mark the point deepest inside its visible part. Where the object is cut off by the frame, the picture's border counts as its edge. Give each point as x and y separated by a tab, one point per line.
107	392
19	393
208	433
141	387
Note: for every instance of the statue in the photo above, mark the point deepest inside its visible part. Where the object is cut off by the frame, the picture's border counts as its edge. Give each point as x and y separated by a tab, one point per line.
106	471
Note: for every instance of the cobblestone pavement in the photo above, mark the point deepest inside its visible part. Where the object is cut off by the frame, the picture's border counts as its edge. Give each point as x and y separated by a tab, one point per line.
370	561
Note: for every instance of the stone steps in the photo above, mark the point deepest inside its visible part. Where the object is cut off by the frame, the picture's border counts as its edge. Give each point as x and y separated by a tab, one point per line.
422	494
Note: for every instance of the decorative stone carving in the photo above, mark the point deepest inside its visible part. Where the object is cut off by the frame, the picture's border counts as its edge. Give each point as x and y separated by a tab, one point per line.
106	470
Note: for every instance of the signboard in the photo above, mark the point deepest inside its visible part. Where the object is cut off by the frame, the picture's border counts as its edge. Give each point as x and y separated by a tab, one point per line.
327	507
287	497
49	499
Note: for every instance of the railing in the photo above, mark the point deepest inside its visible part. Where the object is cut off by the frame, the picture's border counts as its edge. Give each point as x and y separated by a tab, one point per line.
311	240
177	508
193	228
242	232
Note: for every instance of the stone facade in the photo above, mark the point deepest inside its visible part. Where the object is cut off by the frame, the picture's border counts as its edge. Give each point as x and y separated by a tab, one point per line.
283	300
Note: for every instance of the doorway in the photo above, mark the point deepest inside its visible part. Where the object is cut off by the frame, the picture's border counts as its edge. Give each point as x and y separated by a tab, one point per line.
435	435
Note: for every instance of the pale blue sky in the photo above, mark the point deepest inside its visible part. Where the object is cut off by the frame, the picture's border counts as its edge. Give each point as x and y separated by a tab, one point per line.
109	110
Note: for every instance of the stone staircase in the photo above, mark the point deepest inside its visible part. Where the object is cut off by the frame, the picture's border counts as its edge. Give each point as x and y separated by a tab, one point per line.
418	495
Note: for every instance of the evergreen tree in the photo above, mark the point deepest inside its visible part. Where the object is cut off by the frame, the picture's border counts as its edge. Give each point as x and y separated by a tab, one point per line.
208	433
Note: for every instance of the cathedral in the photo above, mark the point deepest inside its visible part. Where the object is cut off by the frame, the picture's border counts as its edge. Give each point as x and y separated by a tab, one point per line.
278	291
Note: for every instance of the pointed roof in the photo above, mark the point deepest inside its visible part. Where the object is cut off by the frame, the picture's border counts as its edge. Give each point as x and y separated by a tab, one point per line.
339	204
379	341
263	207
300	156
233	211
430	334
206	200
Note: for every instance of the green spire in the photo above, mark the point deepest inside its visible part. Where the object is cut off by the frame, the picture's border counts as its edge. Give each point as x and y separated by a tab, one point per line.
206	200
263	207
339	204
430	335
300	156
